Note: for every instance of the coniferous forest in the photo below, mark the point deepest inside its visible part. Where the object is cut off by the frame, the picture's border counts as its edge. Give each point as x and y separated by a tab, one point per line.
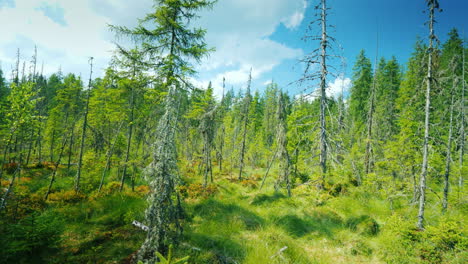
140	165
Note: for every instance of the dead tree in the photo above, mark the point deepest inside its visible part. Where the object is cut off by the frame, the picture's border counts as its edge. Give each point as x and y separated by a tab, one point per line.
462	121
110	152
433	5
449	150
207	129
56	165
83	131
320	58
282	145
246	111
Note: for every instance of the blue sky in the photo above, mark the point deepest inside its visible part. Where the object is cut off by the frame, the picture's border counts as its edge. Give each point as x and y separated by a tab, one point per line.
261	34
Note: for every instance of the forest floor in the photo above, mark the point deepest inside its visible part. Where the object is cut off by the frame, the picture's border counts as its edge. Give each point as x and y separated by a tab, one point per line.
230	221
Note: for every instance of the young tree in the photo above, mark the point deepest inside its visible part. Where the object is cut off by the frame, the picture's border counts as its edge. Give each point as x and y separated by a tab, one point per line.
360	91
168	46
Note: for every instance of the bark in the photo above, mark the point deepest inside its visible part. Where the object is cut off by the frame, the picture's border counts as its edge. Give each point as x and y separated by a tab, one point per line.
108	160
449	154
129	140
10	189
246	123
422	183
323	86
70	148
83	131
56	165
462	126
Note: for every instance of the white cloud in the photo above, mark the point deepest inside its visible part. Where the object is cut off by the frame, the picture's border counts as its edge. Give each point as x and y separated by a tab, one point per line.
238	29
339	86
295	20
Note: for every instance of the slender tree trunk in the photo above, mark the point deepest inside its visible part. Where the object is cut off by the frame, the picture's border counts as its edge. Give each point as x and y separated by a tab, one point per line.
422	184
83	132
30	147
323	98
10	188
246	123
109	156
5	151
56	165
129	140
462	126
449	154
70	149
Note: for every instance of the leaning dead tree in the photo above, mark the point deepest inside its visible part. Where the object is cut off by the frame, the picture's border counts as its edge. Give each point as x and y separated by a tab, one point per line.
433	5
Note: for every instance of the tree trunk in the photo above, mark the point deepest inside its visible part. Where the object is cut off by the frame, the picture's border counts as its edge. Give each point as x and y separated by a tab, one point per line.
323	86
83	132
246	123
462	126
449	154
129	140
422	184
56	165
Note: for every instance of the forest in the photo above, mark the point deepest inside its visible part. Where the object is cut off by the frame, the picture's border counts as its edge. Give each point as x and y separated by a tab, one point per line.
142	166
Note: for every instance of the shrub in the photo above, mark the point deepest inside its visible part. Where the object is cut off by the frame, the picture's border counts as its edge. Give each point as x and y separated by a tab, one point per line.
197	190
11	167
69	196
251	183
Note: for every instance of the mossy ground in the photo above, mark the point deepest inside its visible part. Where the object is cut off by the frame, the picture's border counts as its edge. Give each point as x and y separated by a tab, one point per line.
230	222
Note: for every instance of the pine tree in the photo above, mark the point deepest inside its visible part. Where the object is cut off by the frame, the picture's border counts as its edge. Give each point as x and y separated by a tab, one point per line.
168	47
360	91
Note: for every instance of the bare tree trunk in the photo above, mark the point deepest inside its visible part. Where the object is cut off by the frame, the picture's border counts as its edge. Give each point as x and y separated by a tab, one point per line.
5	151
70	149
462	127
129	140
246	123
109	156
449	153
323	98
52	141
433	4
10	188
56	165
83	132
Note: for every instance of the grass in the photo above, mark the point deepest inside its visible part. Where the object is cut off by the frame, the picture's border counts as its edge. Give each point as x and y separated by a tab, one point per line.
238	223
